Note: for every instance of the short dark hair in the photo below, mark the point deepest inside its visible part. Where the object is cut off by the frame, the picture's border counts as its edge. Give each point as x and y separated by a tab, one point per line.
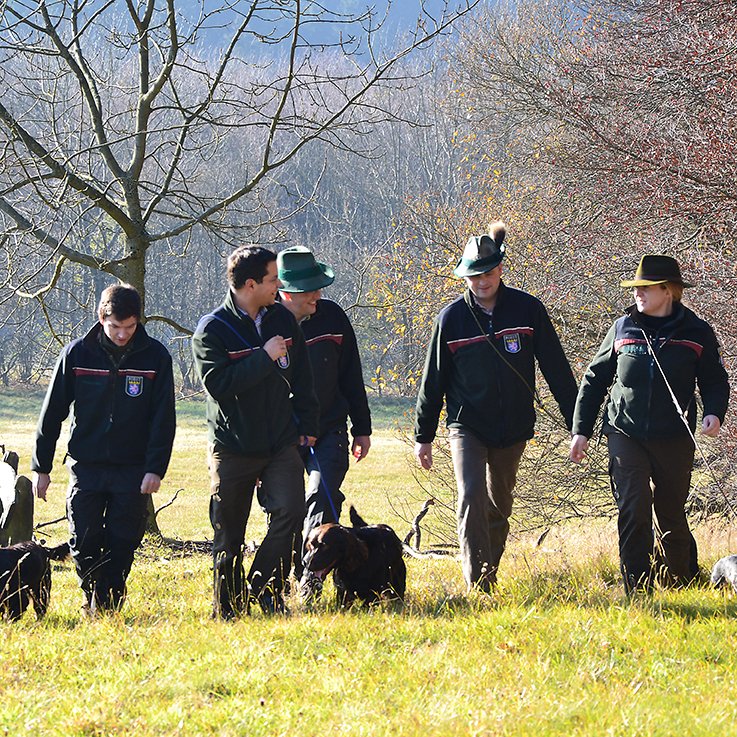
121	301
248	262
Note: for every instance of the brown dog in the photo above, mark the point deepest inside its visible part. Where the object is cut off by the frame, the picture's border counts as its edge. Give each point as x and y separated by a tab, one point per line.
366	560
25	576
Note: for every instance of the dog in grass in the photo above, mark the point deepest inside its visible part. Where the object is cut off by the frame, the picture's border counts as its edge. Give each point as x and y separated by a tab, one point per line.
725	571
25	577
365	560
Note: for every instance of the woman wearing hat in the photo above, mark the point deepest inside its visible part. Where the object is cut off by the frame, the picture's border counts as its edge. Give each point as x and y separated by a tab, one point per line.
651	360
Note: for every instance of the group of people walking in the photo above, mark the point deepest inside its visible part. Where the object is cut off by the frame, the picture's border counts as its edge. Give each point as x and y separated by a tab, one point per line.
282	376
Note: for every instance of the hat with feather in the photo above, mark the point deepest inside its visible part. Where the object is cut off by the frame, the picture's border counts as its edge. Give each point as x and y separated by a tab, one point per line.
482	252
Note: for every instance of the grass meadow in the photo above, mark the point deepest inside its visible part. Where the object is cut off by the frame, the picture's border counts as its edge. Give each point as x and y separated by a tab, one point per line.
557	650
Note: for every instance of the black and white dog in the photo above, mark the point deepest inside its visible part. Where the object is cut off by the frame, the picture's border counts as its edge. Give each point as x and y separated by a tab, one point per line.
725	571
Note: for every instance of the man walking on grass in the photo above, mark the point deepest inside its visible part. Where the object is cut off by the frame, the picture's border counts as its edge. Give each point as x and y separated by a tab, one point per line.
481	361
336	364
120	386
251	357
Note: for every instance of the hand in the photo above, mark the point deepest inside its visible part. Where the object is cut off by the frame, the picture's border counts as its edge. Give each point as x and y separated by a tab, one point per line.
423	453
276	347
40	482
360	447
710	426
579	445
151	483
307	441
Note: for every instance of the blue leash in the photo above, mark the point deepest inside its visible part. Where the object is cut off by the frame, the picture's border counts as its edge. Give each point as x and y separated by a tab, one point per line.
325	486
230	327
312	449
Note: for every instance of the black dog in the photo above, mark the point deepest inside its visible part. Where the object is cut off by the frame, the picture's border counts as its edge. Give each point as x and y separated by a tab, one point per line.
366	560
25	576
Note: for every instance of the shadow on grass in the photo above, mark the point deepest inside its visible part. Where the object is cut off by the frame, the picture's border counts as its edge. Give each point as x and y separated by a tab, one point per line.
691	604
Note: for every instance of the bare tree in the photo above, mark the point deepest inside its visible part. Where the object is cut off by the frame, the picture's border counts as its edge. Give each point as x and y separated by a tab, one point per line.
122	134
126	143
608	131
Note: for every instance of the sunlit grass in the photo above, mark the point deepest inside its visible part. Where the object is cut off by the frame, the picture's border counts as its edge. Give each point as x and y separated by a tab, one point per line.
556	650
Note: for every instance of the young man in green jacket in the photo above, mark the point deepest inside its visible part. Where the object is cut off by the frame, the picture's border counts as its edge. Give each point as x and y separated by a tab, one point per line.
251	358
481	361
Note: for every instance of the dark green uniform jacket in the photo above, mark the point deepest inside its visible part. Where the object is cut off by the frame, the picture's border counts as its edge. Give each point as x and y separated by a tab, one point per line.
123	415
255	406
333	351
640	404
488	391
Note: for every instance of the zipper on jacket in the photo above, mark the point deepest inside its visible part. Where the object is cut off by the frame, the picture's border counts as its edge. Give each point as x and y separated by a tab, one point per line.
498	377
112	384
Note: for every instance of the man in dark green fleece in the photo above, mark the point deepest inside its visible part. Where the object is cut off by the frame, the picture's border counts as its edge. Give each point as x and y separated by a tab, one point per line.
251	357
339	386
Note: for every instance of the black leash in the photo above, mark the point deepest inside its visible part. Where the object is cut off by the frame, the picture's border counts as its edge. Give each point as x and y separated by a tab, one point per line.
533	391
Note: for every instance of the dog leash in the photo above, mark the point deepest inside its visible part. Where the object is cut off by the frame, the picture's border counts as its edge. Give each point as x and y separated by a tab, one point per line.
682	415
230	327
533	390
324	485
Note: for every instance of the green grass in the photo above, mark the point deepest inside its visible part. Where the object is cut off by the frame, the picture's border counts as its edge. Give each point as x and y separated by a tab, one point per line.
557	650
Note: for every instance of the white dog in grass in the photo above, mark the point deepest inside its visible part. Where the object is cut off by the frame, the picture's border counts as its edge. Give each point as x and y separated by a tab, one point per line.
725	571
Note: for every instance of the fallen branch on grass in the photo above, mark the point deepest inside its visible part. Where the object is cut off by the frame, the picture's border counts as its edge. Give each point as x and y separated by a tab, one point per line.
415	529
169	503
51	522
415	552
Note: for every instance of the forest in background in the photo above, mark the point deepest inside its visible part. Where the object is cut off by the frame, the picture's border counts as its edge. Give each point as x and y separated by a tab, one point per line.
598	131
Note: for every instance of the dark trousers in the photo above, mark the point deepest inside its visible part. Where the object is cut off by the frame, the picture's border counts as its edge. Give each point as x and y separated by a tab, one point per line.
279	485
647	475
485	478
326	467
107	519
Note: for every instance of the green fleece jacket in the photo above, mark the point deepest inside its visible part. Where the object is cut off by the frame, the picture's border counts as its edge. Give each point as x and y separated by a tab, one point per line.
255	406
640	404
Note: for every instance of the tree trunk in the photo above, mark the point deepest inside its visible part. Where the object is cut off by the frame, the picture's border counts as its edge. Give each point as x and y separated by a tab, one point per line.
133	272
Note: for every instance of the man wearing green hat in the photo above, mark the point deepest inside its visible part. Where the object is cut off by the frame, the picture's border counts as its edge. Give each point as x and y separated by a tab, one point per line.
336	364
481	362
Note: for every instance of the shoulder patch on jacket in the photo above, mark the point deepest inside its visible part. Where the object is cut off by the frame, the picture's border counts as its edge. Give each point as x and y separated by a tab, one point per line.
134	385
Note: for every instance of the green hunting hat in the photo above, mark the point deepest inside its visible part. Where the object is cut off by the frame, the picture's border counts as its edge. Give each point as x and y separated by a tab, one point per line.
482	252
656	269
300	272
